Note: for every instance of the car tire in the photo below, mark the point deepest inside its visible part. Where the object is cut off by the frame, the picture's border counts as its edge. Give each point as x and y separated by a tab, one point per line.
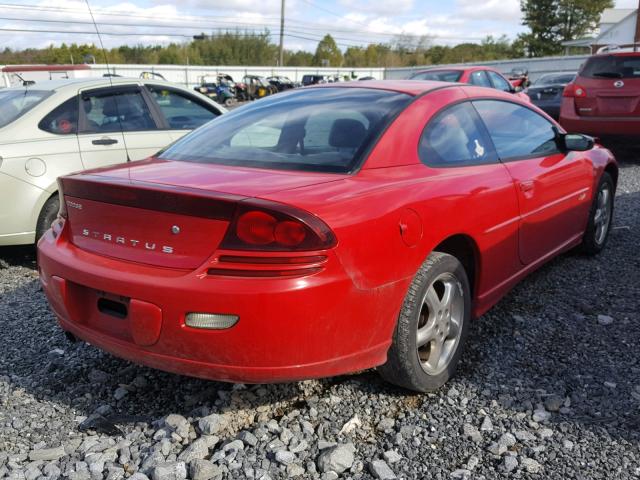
600	217
48	214
427	325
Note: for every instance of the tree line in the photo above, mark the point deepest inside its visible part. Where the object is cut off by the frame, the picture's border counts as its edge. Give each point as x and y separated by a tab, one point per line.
243	48
549	22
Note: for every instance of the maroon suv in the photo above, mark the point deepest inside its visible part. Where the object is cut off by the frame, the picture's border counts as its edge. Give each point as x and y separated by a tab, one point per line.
604	99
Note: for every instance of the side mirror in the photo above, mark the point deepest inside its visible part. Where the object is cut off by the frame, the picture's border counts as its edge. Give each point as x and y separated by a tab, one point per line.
576	142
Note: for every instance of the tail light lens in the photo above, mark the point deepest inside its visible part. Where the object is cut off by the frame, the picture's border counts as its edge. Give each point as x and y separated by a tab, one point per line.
62	212
573	90
255	227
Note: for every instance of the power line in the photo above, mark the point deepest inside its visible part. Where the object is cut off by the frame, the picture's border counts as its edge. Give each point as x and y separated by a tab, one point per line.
266	24
194	28
140	34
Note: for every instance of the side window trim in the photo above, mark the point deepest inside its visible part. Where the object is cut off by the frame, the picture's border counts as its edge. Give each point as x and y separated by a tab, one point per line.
486	129
115	90
480	126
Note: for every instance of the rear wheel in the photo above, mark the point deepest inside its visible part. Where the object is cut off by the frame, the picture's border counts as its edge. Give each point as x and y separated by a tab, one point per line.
432	327
48	214
600	216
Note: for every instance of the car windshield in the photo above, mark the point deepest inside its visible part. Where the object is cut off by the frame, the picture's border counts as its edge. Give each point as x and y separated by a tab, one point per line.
612	66
15	103
554	79
323	130
439	75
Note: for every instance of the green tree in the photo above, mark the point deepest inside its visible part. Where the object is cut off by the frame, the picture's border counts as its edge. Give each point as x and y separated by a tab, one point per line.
541	18
327	53
577	18
551	22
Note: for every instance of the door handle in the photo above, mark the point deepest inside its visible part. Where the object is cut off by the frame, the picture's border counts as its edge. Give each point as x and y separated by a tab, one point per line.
104	141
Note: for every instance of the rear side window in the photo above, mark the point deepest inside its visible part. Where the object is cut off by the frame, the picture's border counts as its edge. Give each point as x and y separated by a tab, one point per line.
439	75
181	111
612	66
324	130
480	79
499	82
63	119
455	138
516	131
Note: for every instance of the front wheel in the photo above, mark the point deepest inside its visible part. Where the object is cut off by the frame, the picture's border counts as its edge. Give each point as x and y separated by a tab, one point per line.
600	216
432	327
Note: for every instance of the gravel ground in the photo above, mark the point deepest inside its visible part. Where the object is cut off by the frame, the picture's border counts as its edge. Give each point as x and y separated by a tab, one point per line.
549	388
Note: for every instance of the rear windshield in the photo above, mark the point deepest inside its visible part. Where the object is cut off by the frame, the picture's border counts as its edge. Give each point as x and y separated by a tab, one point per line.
321	129
439	75
612	66
555	79
15	103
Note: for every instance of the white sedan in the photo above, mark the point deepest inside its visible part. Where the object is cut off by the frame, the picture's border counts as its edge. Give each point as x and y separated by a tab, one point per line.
57	127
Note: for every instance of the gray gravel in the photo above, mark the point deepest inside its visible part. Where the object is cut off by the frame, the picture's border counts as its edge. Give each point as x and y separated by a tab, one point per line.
547	389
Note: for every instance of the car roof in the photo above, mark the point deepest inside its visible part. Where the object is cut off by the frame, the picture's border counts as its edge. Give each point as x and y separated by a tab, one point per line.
617	54
77	83
457	69
410	87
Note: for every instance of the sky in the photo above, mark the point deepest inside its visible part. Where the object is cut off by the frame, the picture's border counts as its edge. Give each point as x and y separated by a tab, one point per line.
351	22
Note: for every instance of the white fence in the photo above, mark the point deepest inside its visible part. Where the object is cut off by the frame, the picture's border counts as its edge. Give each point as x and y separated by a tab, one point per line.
190	75
536	66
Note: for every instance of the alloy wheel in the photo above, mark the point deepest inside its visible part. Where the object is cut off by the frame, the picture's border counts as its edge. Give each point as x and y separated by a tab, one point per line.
440	323
602	216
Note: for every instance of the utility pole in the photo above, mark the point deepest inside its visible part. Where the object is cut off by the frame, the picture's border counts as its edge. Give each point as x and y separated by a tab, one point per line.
636	40
281	33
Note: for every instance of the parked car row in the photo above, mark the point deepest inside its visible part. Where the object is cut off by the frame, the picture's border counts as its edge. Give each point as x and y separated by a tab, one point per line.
602	99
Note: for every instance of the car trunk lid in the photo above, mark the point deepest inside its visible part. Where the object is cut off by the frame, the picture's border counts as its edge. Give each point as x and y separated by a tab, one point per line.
152	212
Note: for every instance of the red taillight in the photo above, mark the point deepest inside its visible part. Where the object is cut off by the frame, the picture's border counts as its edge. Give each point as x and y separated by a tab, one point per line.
284	229
573	90
62	211
290	233
256	228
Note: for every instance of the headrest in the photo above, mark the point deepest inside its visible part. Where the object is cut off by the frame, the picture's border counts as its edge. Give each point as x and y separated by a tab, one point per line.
347	133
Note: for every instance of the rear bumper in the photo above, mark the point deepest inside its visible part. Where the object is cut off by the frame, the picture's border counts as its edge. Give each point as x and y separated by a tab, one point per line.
613	126
289	328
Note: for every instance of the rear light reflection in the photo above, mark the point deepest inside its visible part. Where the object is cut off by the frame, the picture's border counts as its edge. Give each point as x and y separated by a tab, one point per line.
211	321
297	272
273	260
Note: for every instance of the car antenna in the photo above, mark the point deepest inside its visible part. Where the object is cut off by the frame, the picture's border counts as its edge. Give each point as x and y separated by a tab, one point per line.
106	61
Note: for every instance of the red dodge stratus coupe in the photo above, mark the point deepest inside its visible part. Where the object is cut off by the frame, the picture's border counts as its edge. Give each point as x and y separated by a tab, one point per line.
324	231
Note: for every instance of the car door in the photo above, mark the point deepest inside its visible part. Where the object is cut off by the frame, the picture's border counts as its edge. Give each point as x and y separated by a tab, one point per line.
100	128
554	187
143	126
181	112
472	184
